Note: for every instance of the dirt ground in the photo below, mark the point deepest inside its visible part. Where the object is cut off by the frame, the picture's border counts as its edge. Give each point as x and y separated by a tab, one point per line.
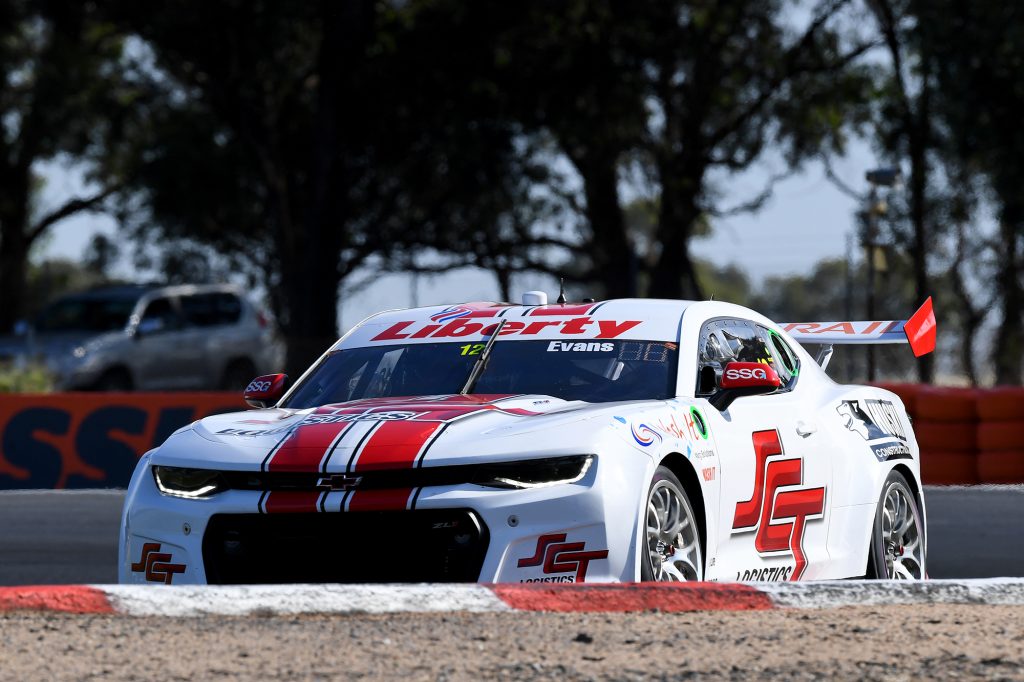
891	643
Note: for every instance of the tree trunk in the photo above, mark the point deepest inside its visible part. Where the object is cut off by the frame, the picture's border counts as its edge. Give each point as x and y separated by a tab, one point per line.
1008	346
613	254
13	270
315	275
674	275
14	246
918	143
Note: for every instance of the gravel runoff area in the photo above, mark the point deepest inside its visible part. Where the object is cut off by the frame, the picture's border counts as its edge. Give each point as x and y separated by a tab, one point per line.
883	643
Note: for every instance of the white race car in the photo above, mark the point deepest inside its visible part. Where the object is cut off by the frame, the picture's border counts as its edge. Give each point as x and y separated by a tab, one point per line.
622	440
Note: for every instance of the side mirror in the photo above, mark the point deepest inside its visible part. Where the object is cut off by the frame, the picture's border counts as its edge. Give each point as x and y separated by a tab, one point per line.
149	325
266	390
744	379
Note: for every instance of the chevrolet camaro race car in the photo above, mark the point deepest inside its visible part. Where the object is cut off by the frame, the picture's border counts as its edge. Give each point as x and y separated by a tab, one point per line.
622	440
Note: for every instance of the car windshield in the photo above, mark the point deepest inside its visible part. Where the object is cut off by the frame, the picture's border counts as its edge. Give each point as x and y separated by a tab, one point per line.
85	315
594	371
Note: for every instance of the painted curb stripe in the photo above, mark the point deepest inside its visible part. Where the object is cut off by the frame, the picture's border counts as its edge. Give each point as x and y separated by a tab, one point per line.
66	598
240	600
609	598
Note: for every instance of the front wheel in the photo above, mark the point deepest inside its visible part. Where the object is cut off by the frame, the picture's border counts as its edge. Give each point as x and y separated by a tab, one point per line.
672	550
897	539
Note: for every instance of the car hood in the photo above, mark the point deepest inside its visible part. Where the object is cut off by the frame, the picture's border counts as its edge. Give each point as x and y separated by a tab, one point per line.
388	433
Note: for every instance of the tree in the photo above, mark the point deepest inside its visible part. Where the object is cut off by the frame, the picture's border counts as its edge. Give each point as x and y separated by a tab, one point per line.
731	81
671	93
256	145
977	50
61	97
905	130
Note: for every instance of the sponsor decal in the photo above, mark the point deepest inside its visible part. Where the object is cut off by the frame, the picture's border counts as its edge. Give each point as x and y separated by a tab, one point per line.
693	428
258	386
69	440
463	326
580	347
778	510
708	473
156	565
452	313
873	329
746	373
556	555
776	574
879	423
644	435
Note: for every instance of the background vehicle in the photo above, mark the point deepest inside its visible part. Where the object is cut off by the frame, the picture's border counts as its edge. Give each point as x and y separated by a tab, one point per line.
151	338
612	441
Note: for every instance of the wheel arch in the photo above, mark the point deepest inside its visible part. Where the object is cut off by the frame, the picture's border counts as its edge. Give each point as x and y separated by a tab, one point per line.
916	488
115	368
679	465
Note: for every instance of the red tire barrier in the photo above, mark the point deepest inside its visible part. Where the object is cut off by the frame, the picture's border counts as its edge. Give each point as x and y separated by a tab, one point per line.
1002	403
946	436
1001	467
946	404
949	468
996	436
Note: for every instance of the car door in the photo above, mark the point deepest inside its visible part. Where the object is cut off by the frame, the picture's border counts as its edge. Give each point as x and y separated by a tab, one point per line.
160	354
210	345
774	472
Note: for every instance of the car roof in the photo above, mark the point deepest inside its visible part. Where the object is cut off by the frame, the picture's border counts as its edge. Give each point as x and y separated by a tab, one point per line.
121	291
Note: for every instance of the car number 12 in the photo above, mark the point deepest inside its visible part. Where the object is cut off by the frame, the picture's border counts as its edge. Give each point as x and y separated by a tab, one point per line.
471	349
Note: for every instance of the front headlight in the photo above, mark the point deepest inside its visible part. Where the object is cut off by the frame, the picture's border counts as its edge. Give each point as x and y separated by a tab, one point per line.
188	483
535	473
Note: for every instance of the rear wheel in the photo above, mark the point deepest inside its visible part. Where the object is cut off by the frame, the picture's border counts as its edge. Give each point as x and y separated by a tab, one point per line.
897	539
672	552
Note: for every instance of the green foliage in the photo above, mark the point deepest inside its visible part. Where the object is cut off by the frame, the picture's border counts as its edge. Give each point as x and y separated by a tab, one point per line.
29	379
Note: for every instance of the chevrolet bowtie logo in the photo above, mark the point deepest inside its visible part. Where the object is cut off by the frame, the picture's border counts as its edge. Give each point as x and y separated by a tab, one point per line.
338	482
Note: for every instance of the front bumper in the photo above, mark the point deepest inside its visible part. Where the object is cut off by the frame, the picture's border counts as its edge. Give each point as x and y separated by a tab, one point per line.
584	531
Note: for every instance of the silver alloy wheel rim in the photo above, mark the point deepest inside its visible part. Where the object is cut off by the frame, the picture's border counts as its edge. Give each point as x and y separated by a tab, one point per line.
672	540
901	535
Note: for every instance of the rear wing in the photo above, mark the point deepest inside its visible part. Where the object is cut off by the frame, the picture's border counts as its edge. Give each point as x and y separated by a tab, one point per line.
919	331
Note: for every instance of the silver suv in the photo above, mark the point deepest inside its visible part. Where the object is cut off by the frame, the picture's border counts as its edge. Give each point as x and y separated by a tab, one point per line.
152	338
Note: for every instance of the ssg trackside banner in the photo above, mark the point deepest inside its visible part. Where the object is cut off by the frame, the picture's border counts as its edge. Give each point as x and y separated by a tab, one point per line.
91	440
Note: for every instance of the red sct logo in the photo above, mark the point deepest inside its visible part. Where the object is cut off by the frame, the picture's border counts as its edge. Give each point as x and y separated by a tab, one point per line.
558	556
777	509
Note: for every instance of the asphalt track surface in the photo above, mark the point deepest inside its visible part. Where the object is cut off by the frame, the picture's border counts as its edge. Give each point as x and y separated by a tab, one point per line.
67	537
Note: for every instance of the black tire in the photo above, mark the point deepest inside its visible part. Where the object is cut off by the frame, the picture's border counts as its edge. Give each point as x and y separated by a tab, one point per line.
114	380
896	554
691	569
237	375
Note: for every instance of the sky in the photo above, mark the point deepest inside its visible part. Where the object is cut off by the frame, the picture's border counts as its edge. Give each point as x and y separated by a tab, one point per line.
806	220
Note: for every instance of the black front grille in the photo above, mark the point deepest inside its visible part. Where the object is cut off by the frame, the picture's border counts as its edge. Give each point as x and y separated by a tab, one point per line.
446	545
